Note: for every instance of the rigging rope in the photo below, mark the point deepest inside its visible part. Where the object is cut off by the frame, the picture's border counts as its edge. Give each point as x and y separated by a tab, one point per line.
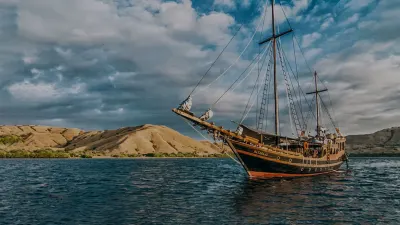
220	54
299	105
268	99
311	112
301	50
327	112
248	101
261	115
237	59
292	107
256	98
298	81
245	116
259	47
209	140
329	96
259	57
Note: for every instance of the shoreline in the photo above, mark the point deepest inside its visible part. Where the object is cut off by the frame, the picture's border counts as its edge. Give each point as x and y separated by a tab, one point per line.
110	157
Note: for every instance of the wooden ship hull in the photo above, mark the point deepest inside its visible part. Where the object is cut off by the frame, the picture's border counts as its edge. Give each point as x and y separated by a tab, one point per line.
268	163
263	160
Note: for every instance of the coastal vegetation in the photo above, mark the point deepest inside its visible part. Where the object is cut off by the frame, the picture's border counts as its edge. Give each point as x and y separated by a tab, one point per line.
50	153
40	153
9	139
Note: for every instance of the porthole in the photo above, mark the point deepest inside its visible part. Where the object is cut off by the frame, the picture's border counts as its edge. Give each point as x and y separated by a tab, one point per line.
279	158
302	169
290	160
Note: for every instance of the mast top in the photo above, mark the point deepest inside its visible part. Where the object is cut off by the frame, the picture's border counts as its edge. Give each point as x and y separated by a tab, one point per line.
316	86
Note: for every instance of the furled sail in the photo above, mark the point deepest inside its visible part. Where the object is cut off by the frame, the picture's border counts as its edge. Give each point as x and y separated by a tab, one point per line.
187	104
239	130
207	115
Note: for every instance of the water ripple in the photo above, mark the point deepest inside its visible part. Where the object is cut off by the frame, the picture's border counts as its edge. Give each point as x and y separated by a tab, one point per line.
192	191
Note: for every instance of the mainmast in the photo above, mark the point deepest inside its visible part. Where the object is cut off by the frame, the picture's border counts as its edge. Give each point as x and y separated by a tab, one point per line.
275	80
274	37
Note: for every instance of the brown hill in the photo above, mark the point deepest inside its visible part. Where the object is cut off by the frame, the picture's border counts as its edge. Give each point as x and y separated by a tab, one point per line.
140	140
383	142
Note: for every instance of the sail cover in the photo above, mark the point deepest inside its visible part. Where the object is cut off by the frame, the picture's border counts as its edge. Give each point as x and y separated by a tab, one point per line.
187	104
207	115
239	130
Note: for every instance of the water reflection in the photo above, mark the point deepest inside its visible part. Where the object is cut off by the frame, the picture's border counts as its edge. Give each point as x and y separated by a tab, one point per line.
292	200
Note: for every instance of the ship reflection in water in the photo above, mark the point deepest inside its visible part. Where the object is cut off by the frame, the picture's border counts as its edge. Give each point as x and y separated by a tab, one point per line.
291	201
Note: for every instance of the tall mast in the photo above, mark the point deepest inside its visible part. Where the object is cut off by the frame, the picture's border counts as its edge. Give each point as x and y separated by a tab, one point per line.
275	80
317	101
273	39
316	92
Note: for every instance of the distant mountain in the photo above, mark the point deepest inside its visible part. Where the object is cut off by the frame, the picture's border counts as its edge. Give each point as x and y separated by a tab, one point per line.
384	142
145	140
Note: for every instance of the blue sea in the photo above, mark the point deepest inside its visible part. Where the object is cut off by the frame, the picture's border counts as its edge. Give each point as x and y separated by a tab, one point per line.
192	191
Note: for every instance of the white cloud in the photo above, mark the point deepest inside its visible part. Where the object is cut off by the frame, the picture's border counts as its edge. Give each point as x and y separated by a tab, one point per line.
308	39
354	18
312	53
41	92
228	3
360	84
328	22
358	4
231	4
169	36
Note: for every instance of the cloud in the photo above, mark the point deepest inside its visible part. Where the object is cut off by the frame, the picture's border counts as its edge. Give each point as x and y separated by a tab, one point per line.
308	39
328	22
350	20
115	63
228	3
358	4
41	92
310	54
232	4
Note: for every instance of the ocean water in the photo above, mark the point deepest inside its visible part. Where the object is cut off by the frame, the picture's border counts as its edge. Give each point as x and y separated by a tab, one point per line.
192	191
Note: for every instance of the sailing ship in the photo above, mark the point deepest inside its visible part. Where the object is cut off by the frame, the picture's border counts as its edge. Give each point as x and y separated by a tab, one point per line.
271	154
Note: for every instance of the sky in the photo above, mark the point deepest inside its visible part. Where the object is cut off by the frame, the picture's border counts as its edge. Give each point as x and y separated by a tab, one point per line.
105	64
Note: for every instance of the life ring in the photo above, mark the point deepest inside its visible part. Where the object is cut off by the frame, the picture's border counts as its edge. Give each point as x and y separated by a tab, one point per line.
305	145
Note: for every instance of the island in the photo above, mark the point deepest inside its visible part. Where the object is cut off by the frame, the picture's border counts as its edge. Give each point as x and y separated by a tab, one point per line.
33	141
